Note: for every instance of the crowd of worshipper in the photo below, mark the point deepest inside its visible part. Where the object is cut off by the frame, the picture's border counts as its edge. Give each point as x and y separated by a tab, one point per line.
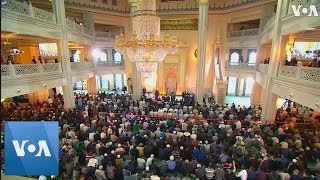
114	137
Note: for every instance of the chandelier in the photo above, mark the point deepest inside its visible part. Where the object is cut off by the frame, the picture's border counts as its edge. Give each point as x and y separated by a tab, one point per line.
146	47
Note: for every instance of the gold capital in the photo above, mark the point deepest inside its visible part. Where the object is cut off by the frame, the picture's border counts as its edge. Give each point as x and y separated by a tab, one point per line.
203	2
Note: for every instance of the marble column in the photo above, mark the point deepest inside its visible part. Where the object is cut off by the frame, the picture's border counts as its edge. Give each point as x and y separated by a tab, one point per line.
256	95
220	96
270	99
136	75
202	44
92	85
64	56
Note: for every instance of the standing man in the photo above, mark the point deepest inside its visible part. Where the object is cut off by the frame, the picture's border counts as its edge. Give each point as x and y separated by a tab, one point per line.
34	61
156	94
40	60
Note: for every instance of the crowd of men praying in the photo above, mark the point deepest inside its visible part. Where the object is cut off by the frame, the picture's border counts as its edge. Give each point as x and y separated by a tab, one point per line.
114	137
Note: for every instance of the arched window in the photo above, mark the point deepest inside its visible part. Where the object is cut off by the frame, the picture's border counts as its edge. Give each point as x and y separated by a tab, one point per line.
252	58
76	56
102	56
234	58
117	57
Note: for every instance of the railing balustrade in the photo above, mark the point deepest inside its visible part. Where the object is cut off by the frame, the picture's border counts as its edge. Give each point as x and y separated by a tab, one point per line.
111	63
300	73
19	70
263	68
27	10
240	65
75	26
81	65
247	32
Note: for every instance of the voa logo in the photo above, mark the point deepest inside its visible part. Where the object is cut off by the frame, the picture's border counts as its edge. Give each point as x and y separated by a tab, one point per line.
308	11
42	148
31	148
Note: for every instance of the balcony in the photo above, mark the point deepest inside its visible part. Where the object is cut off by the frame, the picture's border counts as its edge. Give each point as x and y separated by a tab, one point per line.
292	23
263	68
300	74
81	70
23	70
78	33
299	84
261	74
241	33
267	29
110	67
104	39
244	38
21	79
22	18
241	69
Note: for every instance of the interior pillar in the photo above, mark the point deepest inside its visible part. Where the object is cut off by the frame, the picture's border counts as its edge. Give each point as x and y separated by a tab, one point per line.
269	103
63	49
202	44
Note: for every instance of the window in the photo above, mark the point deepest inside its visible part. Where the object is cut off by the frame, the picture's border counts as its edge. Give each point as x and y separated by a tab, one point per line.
232	85
106	82
76	55
117	57
234	58
248	86
118	81
78	85
252	58
101	56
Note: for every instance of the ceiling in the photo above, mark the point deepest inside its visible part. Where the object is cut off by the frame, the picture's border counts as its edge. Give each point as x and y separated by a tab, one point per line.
23	39
308	35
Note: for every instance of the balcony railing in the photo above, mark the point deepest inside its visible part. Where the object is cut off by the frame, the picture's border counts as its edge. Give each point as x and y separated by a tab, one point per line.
263	68
27	10
300	74
104	34
75	26
247	32
111	63
81	65
20	70
241	65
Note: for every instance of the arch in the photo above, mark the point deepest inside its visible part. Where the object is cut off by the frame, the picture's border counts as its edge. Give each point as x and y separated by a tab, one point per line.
234	58
252	58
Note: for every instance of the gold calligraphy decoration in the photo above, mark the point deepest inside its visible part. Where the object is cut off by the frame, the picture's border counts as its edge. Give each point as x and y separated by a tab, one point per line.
179	24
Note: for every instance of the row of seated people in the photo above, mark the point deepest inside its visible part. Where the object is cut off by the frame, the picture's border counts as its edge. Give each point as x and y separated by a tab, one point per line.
115	137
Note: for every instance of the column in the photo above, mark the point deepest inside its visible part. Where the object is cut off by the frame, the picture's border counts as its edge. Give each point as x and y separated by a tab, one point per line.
269	103
92	85
202	43
256	94
222	91
64	55
136	75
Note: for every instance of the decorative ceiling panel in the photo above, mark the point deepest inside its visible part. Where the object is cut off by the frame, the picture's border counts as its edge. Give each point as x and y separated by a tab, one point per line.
163	6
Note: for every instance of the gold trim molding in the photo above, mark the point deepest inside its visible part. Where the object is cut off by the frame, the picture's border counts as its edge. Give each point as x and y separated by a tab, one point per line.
179	24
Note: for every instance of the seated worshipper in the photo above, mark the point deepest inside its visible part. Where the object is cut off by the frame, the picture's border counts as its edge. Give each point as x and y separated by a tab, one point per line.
171	164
